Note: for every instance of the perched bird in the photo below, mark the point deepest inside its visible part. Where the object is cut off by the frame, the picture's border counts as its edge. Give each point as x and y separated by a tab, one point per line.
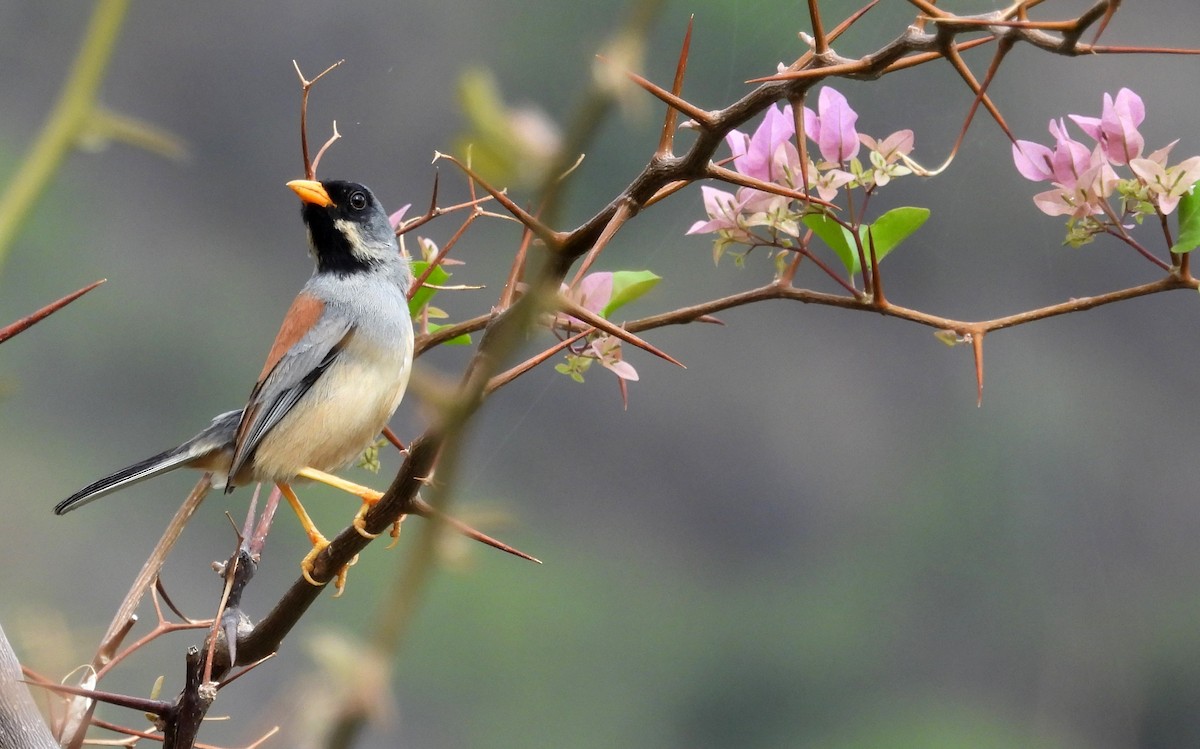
334	376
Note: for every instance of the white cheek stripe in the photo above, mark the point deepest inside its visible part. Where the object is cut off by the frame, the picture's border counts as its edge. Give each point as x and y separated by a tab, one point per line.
361	248
350	230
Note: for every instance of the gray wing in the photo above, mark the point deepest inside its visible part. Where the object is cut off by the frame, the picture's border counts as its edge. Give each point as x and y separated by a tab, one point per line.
299	366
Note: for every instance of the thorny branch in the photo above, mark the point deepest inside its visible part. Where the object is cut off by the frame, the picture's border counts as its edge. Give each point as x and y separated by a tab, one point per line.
533	289
503	328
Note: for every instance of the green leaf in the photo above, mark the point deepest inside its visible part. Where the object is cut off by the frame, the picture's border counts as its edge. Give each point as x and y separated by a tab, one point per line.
461	340
889	230
438	278
1189	223
892	228
837	237
370	457
628	285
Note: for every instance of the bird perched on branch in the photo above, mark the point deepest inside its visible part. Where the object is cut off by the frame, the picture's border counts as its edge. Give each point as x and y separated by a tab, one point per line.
334	376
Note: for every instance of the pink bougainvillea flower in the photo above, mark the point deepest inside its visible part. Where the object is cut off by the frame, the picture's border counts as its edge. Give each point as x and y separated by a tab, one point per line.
754	155
724	211
1166	184
1084	197
398	216
828	182
831	127
608	350
886	155
1063	165
1116	129
594	291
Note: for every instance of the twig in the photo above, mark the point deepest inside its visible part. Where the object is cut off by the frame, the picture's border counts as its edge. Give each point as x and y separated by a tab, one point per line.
124	617
310	169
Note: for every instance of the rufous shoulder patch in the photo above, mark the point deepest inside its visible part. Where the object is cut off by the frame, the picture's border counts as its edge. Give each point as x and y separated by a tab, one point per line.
300	318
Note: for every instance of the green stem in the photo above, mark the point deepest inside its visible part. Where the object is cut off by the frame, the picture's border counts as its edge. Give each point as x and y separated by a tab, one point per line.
61	131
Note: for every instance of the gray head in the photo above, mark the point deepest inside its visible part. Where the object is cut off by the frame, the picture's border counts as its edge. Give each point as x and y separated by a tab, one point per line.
348	229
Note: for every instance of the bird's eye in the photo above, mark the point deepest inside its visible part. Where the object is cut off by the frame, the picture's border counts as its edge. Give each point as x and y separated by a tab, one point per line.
358	201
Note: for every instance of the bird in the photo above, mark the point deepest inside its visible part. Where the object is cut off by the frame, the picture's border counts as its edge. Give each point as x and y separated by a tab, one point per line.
334	376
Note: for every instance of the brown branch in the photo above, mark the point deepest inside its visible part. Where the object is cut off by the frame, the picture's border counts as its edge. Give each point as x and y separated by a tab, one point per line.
449	333
977	351
443	251
591	318
624	213
685	315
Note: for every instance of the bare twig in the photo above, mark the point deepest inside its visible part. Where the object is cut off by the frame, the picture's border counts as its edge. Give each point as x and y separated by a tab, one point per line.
310	169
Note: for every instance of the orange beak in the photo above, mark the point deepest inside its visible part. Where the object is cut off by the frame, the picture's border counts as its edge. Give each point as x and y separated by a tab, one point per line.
311	191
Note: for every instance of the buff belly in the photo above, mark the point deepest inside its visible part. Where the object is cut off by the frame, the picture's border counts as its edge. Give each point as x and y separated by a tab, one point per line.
338	418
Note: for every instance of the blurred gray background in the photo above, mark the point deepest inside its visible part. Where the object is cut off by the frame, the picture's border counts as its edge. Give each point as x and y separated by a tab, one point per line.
810	537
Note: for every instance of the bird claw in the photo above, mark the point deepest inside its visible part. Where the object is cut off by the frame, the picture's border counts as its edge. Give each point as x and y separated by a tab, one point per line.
309	562
339	582
360	525
360	521
396	531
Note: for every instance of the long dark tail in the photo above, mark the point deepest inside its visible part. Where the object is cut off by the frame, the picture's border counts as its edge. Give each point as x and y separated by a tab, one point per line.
216	437
148	468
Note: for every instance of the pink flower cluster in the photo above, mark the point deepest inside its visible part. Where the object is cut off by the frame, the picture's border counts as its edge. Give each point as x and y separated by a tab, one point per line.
594	293
1085	178
770	155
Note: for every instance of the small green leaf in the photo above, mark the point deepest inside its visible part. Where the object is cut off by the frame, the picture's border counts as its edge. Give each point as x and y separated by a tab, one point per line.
462	340
893	227
837	237
1189	223
569	370
628	285
948	337
438	278
889	230
370	457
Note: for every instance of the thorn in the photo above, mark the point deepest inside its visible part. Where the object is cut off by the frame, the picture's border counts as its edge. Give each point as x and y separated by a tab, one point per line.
703	119
506	377
591	318
391	437
553	239
666	141
977	347
25	322
426	510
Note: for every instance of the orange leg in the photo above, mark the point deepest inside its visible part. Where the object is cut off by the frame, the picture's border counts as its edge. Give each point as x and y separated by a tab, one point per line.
369	498
315	537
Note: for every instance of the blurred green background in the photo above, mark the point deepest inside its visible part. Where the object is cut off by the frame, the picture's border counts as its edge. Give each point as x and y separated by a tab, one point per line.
809	538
